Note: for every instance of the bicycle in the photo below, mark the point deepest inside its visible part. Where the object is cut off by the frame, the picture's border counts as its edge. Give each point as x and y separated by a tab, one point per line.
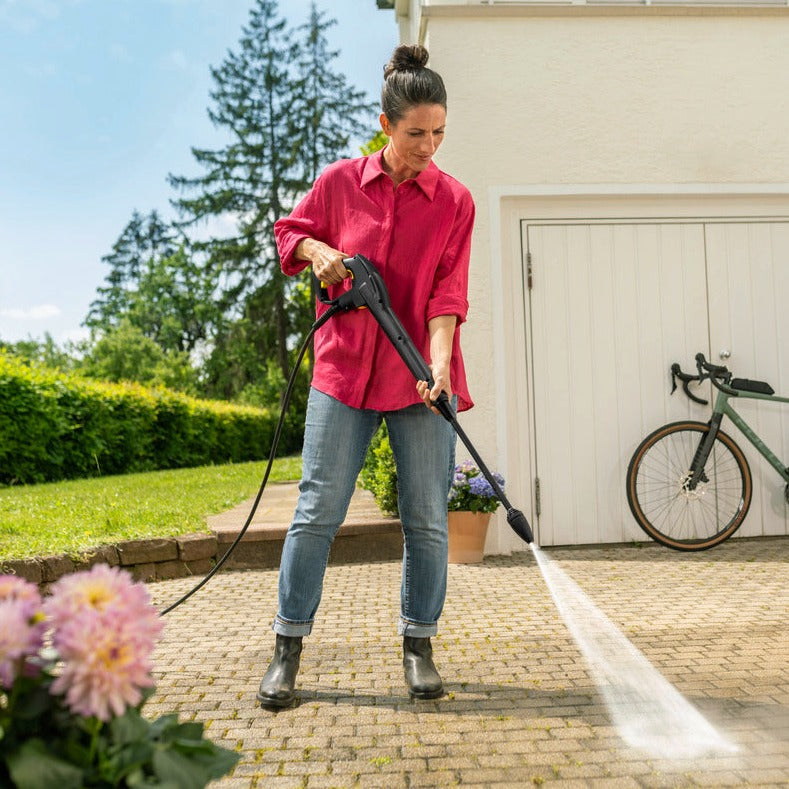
689	485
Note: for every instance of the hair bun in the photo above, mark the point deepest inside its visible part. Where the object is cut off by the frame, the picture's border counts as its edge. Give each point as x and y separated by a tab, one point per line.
408	82
407	57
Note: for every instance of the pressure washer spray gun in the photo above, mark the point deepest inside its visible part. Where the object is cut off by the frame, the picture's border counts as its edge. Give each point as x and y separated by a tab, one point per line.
368	290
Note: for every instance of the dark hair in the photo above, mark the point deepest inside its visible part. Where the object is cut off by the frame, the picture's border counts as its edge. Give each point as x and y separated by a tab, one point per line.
408	82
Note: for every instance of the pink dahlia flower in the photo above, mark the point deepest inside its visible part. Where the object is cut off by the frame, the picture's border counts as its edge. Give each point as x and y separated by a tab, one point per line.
15	588
103	590
22	626
105	630
105	665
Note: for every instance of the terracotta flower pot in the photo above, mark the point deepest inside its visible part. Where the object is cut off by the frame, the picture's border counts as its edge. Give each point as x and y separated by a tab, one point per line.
467	532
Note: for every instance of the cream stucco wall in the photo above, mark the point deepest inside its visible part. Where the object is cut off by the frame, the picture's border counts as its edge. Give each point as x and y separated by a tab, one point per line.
579	96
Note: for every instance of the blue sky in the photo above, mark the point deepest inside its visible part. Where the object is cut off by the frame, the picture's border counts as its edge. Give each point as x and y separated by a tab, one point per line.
99	101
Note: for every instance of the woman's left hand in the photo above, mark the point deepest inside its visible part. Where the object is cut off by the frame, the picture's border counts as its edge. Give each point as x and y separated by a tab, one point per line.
441	383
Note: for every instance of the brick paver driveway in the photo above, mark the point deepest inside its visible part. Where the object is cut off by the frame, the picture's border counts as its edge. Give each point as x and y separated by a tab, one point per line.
522	708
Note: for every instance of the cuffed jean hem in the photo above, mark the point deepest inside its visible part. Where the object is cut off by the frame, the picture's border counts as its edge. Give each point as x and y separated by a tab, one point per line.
416	629
284	628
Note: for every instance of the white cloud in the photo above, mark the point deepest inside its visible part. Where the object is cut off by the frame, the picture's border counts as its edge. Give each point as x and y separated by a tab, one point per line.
38	313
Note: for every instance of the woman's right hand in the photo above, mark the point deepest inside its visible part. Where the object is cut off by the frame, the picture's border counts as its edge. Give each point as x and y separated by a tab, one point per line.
327	262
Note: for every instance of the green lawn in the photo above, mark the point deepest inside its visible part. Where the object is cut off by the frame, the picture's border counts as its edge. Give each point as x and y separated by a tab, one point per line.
69	517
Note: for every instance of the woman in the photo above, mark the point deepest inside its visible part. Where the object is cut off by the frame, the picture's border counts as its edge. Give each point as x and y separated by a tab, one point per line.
414	222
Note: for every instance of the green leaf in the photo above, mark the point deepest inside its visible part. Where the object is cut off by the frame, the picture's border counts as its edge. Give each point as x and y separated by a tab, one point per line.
191	730
171	766
36	701
168	730
138	778
222	762
33	767
162	725
128	761
129	727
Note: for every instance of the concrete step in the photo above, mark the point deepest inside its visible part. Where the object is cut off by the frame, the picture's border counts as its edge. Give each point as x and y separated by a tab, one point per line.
366	535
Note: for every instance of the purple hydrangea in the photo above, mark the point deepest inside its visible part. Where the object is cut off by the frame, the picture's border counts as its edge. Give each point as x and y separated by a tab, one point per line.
479	486
471	491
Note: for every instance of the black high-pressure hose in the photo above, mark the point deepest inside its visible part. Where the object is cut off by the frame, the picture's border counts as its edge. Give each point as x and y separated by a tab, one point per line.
368	290
272	454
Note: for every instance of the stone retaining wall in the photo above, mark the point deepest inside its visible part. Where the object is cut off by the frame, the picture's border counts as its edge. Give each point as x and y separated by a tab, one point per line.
147	560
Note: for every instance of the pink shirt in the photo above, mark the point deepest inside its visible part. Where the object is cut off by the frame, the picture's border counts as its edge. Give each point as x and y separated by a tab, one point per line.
418	236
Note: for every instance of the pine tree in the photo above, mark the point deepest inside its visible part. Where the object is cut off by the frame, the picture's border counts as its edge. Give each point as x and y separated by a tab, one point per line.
145	238
329	112
251	179
155	285
287	116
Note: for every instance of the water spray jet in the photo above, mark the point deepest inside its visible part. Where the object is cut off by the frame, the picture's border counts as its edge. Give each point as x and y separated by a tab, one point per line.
649	713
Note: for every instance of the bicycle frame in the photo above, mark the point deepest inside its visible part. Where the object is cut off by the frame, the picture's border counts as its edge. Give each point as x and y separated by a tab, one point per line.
723	408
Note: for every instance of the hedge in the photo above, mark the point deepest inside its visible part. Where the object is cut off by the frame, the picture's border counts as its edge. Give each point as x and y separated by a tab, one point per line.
57	426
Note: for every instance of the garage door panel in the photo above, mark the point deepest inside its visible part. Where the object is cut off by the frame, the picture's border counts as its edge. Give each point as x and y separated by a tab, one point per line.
748	272
612	306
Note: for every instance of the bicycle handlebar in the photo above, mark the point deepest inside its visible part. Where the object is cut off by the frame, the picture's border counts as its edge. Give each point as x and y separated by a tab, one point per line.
686	378
714	370
706	371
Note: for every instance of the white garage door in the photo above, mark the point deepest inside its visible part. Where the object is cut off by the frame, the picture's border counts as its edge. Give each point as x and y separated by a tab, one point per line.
612	305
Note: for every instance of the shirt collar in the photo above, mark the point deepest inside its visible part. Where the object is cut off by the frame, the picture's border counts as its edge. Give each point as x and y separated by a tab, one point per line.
427	180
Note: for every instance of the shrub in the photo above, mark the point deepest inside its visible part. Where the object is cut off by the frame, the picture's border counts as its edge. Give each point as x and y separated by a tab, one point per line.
379	473
60	426
29	421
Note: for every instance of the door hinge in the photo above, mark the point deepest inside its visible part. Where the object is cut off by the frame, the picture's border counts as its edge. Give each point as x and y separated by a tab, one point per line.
537	503
529	272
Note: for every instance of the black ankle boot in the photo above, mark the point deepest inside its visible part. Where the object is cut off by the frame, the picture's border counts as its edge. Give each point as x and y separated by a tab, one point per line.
421	676
277	686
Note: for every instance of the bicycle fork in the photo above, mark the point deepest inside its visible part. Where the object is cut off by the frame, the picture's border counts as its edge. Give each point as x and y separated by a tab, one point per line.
696	473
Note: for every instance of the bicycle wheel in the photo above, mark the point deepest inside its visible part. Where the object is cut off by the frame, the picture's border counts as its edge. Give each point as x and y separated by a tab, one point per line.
663	503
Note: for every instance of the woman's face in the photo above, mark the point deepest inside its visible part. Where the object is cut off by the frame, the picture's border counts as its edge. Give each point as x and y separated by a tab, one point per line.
414	139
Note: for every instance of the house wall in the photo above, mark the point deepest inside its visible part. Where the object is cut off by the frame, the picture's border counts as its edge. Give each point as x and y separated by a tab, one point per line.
639	98
554	99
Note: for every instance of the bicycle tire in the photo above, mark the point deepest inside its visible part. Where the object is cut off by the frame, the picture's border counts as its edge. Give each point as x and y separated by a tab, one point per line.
666	509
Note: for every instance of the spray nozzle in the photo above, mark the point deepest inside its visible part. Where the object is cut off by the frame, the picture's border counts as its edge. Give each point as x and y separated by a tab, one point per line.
519	524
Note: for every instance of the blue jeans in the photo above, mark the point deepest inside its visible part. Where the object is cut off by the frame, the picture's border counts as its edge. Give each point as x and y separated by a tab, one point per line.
336	438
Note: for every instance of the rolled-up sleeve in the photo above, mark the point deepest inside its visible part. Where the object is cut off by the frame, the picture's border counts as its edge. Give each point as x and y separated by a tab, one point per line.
450	286
306	221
